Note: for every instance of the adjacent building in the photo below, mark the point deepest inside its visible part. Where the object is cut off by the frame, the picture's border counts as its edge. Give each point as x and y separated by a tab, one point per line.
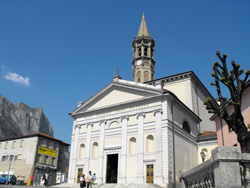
32	155
140	131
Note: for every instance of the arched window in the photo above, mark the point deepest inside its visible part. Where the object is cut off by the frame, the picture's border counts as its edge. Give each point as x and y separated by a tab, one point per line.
132	145
139	52
95	149
139	76
145	51
150	144
114	124
185	126
146	76
82	151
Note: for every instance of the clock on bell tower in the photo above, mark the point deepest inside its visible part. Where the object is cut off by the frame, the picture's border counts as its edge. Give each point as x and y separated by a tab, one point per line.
143	47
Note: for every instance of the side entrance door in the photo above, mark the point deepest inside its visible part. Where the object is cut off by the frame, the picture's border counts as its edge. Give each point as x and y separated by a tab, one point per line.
79	174
150	174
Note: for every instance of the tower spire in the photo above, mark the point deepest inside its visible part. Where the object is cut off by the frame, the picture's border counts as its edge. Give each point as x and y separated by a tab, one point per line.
143	47
143	30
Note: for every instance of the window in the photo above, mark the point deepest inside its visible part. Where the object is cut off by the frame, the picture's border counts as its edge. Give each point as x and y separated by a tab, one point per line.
4	158
6	145
95	149
138	76
185	126
53	161
55	146
39	158
46	160
21	144
82	151
48	144
146	51
132	145
19	156
14	144
146	76
150	144
139	52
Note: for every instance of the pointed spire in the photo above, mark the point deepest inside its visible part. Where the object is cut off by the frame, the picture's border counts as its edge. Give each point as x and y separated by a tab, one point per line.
143	30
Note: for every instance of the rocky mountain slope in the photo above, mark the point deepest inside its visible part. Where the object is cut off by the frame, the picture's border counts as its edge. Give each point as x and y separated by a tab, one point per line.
19	119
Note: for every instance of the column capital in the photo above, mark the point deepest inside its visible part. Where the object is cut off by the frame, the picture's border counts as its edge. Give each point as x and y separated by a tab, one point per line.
141	114
90	124
103	121
77	126
124	117
158	111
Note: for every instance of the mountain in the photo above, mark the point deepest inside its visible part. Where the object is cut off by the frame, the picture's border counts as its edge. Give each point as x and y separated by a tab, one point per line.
19	119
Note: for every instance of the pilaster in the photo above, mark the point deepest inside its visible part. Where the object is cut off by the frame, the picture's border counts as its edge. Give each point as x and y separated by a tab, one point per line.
101	157
123	162
140	148
73	156
158	148
88	148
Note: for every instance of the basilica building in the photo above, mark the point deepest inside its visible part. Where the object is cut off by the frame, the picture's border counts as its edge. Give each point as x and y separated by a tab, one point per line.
140	131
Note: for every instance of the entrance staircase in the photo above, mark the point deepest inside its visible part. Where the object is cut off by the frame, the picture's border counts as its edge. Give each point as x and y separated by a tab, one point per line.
112	185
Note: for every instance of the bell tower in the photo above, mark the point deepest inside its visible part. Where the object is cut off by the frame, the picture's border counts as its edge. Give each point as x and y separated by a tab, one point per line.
143	47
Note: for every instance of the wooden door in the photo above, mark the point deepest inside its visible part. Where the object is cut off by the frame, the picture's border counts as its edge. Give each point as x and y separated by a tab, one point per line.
79	174
150	174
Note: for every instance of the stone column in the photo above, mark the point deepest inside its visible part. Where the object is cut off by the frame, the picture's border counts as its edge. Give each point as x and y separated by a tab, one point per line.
100	156
123	162
73	155
140	148
158	148
88	149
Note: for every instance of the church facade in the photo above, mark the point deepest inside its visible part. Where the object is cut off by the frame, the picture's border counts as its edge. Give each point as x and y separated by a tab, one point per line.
140	131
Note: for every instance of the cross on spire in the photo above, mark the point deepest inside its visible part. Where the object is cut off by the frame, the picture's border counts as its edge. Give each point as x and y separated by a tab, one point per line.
117	70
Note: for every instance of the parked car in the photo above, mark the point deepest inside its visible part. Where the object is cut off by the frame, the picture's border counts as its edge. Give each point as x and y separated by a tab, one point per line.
11	179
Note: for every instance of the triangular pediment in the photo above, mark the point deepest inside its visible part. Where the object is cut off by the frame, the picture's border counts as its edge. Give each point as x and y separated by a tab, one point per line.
117	94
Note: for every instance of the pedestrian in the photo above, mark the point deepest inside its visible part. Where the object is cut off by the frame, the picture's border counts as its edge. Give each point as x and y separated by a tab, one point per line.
89	180
45	178
94	178
82	181
31	180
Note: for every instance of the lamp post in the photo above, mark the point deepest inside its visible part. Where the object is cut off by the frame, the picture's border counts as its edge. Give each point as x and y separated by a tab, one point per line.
10	157
203	156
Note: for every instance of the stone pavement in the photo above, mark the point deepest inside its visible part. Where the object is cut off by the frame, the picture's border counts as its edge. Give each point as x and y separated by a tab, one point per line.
111	185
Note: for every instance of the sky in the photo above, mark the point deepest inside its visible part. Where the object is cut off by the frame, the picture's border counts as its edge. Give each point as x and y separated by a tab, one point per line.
55	53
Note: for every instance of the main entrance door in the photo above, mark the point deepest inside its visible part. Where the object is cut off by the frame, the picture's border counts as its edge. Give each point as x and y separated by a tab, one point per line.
150	174
112	168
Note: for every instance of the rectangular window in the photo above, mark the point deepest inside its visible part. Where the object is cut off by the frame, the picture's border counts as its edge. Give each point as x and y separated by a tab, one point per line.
46	160
11	157
49	161
41	142
39	158
21	144
19	156
55	146
6	145
4	158
53	161
51	146
48	144
14	144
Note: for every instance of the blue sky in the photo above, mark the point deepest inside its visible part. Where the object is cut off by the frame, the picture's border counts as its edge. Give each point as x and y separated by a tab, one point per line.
55	53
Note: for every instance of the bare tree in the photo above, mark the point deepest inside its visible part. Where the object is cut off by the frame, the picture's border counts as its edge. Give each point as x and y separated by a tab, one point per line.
236	87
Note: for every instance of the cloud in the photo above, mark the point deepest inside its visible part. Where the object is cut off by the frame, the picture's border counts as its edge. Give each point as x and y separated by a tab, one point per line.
3	67
14	77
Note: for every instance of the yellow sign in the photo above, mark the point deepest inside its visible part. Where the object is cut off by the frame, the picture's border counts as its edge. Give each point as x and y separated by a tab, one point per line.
46	151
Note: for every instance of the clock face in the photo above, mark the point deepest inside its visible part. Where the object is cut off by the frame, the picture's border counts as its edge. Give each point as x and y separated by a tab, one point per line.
139	62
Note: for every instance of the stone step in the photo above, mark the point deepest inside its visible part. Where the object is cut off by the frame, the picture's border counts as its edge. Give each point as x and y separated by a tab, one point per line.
112	185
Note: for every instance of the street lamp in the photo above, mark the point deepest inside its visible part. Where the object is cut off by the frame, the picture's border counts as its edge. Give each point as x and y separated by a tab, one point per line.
11	158
203	156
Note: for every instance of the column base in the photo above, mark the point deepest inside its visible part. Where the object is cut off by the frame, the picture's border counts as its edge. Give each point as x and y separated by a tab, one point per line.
71	180
99	180
122	180
158	179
